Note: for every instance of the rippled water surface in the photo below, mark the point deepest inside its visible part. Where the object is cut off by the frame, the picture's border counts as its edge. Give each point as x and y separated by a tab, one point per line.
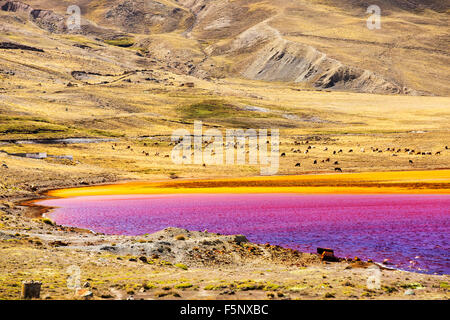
412	231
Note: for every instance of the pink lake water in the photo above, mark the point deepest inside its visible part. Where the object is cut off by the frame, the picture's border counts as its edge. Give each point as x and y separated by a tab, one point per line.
412	231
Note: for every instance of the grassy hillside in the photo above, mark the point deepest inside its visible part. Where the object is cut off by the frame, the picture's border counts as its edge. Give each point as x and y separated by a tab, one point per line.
409	51
81	85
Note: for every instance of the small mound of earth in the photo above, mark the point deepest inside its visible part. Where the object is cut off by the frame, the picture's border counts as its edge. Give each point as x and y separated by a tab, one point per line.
192	248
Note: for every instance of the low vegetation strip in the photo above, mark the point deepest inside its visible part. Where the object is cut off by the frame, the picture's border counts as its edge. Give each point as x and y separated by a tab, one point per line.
16	46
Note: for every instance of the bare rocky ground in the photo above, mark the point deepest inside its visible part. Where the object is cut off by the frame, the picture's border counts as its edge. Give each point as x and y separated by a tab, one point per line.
181	264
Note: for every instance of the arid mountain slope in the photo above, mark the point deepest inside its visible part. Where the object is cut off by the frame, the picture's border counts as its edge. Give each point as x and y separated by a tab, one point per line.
322	44
411	5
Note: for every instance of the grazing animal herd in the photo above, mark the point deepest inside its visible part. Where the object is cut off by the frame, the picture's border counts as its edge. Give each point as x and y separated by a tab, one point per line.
395	152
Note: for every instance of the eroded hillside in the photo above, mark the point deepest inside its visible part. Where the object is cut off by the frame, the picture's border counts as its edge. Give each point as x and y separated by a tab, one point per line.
319	44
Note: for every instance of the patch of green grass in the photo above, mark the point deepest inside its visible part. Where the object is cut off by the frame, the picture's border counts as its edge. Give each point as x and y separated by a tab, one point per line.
148	286
389	289
215	287
444	285
160	294
181	266
271	286
250	285
297	288
220	112
212	108
414	285
165	263
183	285
124	42
104	133
5	118
30	127
207	109
14	127
80	39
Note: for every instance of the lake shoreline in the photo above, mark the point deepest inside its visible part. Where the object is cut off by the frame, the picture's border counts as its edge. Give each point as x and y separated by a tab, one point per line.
280	270
377	227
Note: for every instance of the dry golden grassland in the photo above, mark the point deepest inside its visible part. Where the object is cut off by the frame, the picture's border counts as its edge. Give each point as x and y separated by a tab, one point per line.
138	96
328	121
111	278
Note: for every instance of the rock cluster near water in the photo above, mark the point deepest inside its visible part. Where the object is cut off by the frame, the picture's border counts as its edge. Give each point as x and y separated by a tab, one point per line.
181	264
175	245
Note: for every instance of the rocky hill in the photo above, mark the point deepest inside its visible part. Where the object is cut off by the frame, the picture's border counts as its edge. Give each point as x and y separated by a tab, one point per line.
321	44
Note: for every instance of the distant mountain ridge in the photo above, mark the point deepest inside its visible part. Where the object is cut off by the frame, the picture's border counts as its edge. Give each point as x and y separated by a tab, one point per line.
278	40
